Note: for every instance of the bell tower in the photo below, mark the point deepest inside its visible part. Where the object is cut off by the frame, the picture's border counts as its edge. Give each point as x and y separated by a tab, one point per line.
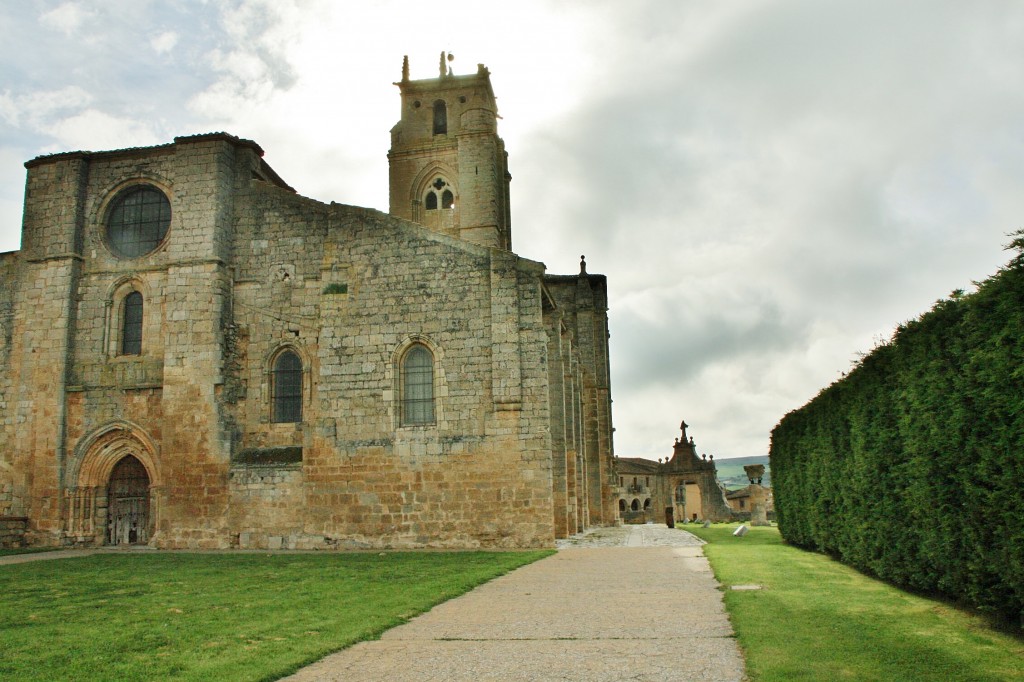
448	169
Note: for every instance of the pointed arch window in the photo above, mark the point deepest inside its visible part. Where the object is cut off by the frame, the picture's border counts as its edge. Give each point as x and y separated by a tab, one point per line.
439	188
286	388
131	324
417	387
440	117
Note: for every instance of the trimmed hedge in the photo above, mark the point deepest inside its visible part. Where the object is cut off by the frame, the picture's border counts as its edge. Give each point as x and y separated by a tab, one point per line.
911	467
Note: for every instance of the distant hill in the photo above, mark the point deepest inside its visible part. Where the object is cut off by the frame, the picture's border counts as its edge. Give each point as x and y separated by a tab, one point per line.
732	476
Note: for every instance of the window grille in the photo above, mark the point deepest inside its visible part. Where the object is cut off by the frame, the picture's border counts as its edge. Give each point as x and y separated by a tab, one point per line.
287	388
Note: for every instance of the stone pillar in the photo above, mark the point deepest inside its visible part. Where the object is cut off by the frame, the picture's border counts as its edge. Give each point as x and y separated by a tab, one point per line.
758	498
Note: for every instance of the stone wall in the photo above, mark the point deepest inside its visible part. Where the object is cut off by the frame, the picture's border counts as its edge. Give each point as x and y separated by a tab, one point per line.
8	286
479	476
582	301
12	531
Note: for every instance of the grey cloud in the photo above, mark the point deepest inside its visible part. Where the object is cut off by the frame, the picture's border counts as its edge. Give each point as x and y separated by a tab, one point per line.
689	336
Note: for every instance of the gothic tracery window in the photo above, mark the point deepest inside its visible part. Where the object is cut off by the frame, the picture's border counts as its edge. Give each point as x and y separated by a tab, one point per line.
439	194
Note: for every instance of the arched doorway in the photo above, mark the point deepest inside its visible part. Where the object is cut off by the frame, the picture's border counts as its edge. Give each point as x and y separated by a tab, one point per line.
128	503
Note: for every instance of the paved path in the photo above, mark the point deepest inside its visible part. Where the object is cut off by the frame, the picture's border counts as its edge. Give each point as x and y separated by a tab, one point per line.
630	603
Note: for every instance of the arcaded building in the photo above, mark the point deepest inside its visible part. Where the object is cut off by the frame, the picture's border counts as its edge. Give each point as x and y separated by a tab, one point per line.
192	355
684	486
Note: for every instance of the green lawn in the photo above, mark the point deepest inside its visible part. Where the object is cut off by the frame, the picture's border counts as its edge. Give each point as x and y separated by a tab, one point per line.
25	550
216	616
816	619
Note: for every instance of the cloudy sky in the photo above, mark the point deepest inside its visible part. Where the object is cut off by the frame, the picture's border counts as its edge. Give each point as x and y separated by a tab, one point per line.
771	186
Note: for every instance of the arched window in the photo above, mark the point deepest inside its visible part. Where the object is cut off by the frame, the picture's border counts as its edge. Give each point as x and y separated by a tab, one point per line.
418	386
431	201
635	506
131	324
440	117
622	505
286	388
447	199
647	504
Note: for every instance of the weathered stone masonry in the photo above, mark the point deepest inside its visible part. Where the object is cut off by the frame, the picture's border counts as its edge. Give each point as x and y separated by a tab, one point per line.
517	449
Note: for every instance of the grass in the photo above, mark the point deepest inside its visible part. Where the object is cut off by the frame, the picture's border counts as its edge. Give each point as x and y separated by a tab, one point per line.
217	616
816	619
25	550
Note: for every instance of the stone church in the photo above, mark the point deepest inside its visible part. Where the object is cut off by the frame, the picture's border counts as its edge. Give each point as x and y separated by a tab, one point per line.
192	355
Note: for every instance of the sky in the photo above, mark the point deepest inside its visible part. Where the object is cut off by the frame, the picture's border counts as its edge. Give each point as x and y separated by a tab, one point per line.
771	186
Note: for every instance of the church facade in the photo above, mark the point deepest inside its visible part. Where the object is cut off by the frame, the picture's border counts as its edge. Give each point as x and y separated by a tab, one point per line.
195	356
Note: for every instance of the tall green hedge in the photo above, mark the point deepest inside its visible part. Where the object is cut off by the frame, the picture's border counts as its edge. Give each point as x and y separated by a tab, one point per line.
912	466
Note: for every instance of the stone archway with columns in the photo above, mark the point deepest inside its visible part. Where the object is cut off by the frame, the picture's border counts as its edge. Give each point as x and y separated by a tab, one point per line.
88	478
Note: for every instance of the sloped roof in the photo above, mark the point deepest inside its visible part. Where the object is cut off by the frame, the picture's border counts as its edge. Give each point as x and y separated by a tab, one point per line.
637	465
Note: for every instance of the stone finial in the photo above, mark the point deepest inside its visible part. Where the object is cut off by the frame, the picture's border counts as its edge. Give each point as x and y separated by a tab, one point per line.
405	69
443	68
583	265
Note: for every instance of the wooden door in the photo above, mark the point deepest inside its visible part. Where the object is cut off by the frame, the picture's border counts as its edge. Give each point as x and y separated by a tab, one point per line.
128	503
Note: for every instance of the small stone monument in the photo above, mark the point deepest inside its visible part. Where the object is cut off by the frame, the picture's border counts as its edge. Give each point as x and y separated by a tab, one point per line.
758	498
741	531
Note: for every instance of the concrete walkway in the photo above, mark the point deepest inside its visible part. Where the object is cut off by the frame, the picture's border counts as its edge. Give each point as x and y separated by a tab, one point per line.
630	603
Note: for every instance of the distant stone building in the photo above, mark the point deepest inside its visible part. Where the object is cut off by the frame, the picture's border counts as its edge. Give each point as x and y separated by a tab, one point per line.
194	356
739	502
684	486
